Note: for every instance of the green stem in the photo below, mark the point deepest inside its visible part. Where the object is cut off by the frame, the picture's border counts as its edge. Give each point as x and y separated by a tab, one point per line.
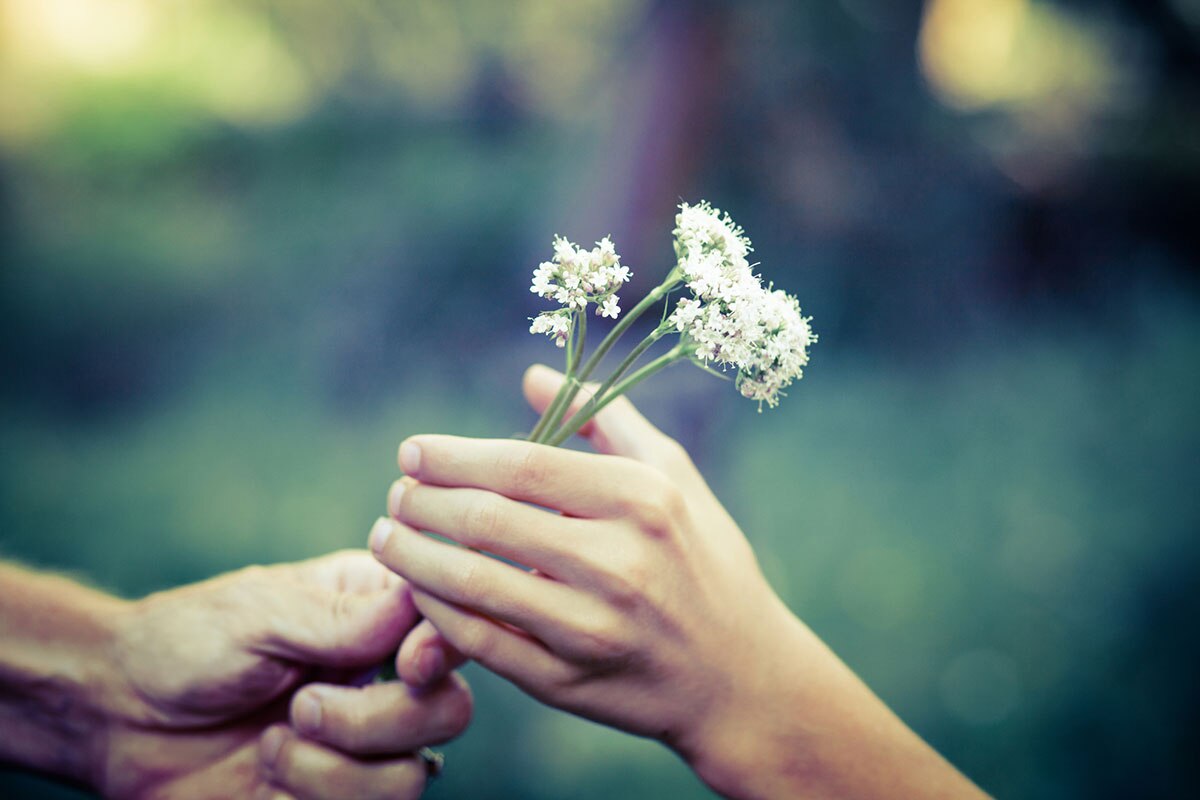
570	348
676	353
590	406
657	293
555	404
573	355
580	332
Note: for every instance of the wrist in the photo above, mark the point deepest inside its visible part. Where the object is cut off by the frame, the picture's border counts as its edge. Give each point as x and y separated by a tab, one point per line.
57	674
806	726
750	743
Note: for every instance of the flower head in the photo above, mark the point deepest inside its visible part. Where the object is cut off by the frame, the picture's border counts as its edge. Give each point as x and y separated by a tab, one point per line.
780	349
731	319
575	277
711	249
554	324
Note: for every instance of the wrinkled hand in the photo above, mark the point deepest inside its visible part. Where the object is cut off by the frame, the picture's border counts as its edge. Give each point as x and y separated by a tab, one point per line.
645	609
203	699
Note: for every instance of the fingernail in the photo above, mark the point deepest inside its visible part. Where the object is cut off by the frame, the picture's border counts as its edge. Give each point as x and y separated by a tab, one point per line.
395	495
307	715
430	663
268	748
410	457
380	533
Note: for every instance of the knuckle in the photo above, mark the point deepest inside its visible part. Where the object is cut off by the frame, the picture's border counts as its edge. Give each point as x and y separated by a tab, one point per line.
657	506
482	518
567	678
344	616
600	639
527	470
471	581
628	587
476	641
624	570
673	457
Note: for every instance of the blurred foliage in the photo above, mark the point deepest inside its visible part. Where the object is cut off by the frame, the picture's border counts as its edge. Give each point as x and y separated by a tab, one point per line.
245	248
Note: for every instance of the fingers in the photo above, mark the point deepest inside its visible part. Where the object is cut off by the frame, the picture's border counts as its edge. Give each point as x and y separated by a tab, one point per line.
509	653
426	656
310	771
313	625
578	484
531	602
493	523
619	429
354	571
382	718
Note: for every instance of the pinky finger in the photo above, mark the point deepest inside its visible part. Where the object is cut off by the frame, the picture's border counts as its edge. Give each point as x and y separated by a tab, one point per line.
504	650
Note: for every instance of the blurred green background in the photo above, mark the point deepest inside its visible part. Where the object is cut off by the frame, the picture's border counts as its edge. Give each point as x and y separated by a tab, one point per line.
248	246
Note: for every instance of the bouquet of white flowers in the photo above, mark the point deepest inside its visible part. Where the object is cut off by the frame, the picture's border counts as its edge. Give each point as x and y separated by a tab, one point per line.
727	318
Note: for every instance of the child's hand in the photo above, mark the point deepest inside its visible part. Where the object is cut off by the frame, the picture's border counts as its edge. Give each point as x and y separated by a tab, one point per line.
647	610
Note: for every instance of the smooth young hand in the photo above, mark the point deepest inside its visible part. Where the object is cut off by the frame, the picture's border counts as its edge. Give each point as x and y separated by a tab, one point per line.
643	608
648	610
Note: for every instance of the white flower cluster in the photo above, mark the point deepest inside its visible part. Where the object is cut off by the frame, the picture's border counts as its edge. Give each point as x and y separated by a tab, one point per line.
780	352
703	229
555	324
731	318
573	278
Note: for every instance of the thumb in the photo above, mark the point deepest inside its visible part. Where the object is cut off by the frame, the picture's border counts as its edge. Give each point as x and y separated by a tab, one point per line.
426	657
345	629
619	429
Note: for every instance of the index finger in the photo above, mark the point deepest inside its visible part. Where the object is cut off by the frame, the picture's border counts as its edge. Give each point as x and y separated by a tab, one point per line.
578	484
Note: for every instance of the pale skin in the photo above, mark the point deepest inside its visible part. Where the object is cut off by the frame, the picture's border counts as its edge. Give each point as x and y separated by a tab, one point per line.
239	686
643	607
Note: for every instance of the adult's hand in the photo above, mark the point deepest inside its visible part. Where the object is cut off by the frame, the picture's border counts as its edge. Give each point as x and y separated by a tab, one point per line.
209	672
642	607
192	692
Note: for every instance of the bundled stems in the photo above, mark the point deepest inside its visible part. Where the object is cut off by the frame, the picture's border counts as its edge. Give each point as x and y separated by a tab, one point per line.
602	398
552	417
574	353
596	401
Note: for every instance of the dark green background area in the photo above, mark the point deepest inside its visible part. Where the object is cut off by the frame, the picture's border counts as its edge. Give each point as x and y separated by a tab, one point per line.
215	328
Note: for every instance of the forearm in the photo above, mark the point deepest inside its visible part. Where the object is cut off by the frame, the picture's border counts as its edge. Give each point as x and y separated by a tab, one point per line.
54	671
807	727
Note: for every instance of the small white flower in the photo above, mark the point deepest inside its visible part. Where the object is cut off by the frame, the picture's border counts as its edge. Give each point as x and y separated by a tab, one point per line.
554	324
575	277
609	308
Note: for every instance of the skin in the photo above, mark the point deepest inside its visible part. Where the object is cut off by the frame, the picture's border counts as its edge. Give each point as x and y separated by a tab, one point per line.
642	607
239	686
